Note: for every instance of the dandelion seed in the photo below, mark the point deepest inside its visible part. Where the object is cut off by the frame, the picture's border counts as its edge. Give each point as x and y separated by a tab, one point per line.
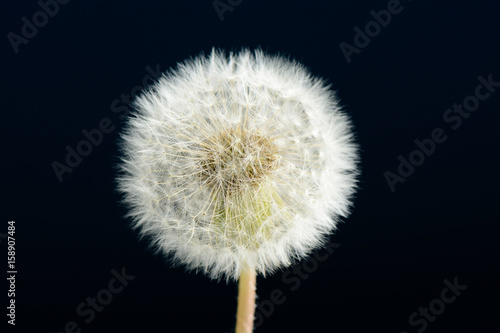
255	157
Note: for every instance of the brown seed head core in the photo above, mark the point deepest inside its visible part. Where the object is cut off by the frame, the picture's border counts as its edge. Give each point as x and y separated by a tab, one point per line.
237	158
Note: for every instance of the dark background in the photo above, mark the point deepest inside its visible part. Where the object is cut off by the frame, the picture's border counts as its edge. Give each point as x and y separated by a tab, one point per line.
395	249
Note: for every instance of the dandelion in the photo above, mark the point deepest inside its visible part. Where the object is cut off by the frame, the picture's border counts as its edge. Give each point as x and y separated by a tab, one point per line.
237	165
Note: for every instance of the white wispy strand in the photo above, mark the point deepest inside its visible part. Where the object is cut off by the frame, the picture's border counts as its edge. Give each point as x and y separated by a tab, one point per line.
239	160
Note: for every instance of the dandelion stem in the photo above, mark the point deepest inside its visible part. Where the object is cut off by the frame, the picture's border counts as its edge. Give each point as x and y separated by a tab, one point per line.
246	301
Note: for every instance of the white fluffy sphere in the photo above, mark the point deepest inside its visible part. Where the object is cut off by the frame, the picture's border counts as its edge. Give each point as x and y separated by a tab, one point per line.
237	161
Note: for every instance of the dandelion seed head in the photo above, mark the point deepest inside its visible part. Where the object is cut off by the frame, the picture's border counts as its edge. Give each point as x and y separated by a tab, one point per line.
236	161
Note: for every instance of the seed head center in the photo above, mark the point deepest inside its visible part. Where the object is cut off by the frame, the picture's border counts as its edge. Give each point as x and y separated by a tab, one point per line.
236	159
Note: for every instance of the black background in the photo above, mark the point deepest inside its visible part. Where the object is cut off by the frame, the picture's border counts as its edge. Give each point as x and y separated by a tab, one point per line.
395	249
